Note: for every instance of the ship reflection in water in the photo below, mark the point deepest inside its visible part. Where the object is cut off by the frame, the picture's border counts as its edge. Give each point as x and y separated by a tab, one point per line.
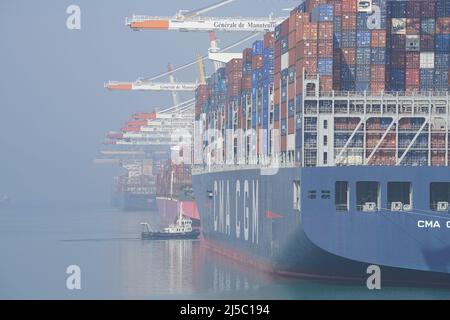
38	243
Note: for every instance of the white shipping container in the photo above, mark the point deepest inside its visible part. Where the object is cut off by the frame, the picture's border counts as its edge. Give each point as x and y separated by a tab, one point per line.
427	60
290	142
285	61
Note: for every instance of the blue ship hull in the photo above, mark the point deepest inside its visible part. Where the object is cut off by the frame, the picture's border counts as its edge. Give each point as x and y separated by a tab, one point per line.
253	214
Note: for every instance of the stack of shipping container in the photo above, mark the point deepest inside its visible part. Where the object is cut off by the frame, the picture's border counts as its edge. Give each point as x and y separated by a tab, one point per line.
419	41
370	46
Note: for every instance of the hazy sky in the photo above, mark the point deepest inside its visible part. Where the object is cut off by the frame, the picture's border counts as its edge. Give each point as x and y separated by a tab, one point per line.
54	111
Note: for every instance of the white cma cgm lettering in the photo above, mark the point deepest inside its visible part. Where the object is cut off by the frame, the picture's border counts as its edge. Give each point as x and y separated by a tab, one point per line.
430	224
222	209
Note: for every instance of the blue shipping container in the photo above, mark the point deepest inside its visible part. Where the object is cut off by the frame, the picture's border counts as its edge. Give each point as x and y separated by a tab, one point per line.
257	48
363	38
325	67
363	56
442	43
322	13
378	56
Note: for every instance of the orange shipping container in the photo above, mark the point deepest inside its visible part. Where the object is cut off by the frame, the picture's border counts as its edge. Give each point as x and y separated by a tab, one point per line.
378	39
326	83
349	5
377	87
377	72
443	25
309	64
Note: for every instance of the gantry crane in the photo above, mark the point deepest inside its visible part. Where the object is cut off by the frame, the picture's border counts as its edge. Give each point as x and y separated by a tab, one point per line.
193	21
218	58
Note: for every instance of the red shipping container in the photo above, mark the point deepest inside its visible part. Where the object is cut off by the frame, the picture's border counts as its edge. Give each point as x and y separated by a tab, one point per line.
378	39
247	55
427	9
257	62
292	22
325	49
413	9
284	28
325	31
377	87
283	143
276	95
247	81
292	56
291	125
291	91
301	18
309	64
337	5
277	49
413	26
443	25
311	4
277	63
349	55
309	31
326	83
291	40
348	21
234	65
269	40
377	73
306	49
277	78
412	60
283	110
349	5
412	78
276	124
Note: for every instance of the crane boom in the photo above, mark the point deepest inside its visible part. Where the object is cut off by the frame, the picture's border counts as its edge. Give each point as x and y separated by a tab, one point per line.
204	24
151	86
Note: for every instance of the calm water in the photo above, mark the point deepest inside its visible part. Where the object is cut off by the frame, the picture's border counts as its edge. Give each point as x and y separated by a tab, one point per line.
37	243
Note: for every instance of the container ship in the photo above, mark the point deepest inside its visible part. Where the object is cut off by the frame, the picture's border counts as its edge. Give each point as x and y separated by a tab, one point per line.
136	189
325	149
174	191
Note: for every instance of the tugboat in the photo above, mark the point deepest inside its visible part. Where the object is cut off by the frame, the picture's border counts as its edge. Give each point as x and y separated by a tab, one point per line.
182	230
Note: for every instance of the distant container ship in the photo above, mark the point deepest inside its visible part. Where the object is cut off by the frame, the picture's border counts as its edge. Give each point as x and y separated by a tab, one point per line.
135	190
174	190
327	144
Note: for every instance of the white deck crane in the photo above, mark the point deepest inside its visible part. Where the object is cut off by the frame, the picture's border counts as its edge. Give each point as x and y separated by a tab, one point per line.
193	21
